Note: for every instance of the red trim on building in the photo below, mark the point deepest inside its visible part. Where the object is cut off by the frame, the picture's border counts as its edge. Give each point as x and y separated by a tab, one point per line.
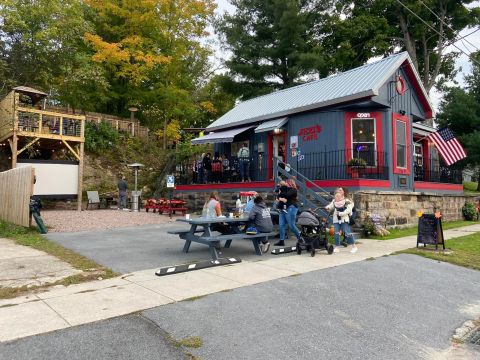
378	135
270	150
424	185
271	184
213	187
418	90
353	183
406	120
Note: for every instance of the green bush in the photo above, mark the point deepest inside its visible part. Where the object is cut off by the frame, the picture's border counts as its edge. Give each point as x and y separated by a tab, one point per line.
469	211
369	227
100	137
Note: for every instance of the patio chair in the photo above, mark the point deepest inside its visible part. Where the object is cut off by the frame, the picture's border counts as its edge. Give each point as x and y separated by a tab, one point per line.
93	199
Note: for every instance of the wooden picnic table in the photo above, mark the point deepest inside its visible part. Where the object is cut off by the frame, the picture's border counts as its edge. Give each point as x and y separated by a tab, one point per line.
204	234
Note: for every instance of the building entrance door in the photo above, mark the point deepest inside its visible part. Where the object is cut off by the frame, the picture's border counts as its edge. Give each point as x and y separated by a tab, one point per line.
278	149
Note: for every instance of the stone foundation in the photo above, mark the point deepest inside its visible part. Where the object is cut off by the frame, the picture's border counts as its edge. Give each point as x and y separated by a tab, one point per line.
399	209
196	200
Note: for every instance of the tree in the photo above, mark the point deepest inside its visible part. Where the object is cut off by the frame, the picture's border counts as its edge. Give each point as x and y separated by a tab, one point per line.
38	44
152	54
460	111
380	27
273	43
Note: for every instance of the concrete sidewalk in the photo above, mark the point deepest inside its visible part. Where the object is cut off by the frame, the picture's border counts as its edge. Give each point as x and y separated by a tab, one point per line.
62	307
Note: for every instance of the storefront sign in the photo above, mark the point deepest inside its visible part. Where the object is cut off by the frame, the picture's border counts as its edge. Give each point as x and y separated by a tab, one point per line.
293	142
310	133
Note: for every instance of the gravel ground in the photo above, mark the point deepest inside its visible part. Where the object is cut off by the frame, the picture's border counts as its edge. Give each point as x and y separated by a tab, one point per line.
73	221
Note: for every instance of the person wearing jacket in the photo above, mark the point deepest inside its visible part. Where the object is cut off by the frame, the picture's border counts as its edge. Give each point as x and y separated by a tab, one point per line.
261	219
287	198
341	219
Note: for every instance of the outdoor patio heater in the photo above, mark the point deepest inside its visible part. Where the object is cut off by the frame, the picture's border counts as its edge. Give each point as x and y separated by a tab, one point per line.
135	194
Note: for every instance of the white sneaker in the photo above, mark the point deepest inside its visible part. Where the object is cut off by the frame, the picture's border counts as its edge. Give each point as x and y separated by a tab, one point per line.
265	247
354	250
336	250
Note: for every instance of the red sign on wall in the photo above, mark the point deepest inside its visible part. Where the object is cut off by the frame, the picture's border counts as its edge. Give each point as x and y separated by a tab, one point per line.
310	133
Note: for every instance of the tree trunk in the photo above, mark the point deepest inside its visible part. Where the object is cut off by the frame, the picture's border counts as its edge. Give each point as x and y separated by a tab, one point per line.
165	134
478	180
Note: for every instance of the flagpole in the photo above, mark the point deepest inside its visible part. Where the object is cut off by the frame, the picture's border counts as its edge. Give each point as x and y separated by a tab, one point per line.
425	137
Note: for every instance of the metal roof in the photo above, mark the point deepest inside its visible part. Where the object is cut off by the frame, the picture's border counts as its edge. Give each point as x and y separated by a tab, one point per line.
361	82
220	136
271	125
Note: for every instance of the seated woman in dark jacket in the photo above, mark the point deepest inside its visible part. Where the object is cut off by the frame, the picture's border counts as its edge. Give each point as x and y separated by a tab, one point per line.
261	219
288	196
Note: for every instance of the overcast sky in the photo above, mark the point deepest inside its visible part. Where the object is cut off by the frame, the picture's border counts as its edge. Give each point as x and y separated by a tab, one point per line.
470	44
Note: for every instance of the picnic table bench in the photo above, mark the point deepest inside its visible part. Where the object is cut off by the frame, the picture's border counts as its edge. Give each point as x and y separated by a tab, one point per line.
213	241
166	206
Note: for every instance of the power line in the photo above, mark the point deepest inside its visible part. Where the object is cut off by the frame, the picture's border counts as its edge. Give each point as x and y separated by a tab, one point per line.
444	23
463	37
423	21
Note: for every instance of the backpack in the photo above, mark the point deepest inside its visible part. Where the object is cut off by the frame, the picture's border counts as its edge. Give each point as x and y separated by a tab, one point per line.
252	231
243	151
353	216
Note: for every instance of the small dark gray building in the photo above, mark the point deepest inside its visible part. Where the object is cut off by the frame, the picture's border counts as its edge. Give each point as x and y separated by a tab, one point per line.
363	129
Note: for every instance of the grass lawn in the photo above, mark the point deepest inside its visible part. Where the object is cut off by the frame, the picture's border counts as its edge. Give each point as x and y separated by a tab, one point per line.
30	237
465	251
396	233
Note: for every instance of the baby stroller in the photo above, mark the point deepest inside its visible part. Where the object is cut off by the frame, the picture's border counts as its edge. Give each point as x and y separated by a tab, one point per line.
313	231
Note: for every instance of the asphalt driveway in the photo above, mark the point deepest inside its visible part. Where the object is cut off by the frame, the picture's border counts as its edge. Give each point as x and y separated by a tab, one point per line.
395	307
126	250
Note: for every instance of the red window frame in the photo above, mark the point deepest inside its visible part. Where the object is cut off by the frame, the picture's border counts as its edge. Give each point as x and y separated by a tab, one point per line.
377	116
397	117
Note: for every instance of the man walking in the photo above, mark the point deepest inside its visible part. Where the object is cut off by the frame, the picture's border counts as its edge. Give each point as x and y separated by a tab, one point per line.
122	194
244	162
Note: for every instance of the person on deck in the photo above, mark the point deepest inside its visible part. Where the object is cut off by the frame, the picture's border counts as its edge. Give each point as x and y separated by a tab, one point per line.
244	162
207	168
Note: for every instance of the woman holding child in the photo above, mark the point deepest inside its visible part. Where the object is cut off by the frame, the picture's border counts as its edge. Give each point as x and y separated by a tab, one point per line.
287	210
342	207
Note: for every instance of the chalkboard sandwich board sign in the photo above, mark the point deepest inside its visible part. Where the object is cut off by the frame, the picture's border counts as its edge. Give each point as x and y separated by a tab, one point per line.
430	230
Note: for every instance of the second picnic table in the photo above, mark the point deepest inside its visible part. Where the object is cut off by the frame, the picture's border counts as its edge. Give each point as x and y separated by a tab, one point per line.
205	235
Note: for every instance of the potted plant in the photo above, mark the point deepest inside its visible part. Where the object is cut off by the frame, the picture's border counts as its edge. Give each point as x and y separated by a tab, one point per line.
355	164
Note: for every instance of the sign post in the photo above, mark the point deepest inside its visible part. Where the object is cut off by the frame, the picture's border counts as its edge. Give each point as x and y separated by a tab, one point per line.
430	231
170	187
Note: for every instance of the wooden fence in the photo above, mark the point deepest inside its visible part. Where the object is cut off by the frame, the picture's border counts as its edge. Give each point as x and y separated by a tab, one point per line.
16	188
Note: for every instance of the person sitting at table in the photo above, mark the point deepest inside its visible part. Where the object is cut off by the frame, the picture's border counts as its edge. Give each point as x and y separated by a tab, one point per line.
213	208
261	219
251	202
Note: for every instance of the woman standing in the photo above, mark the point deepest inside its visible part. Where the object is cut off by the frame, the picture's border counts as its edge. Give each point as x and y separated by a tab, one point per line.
341	219
287	198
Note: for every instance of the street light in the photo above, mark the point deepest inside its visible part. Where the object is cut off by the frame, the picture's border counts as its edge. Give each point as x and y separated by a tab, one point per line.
135	194
132	110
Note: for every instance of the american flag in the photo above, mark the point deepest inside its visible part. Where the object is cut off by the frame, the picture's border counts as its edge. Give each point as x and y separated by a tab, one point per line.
448	146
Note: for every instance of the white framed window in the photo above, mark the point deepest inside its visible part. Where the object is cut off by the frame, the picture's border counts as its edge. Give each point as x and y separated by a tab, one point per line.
418	154
401	144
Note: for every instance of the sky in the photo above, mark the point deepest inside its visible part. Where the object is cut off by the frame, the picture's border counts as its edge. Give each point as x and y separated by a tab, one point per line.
470	44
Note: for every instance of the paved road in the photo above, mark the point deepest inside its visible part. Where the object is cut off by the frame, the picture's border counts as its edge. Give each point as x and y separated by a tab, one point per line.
395	307
126	250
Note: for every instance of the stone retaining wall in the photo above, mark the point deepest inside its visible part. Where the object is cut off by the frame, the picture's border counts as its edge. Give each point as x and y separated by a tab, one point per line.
399	209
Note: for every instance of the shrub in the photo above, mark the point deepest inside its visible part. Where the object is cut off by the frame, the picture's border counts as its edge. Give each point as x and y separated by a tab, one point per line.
100	137
357	162
469	211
